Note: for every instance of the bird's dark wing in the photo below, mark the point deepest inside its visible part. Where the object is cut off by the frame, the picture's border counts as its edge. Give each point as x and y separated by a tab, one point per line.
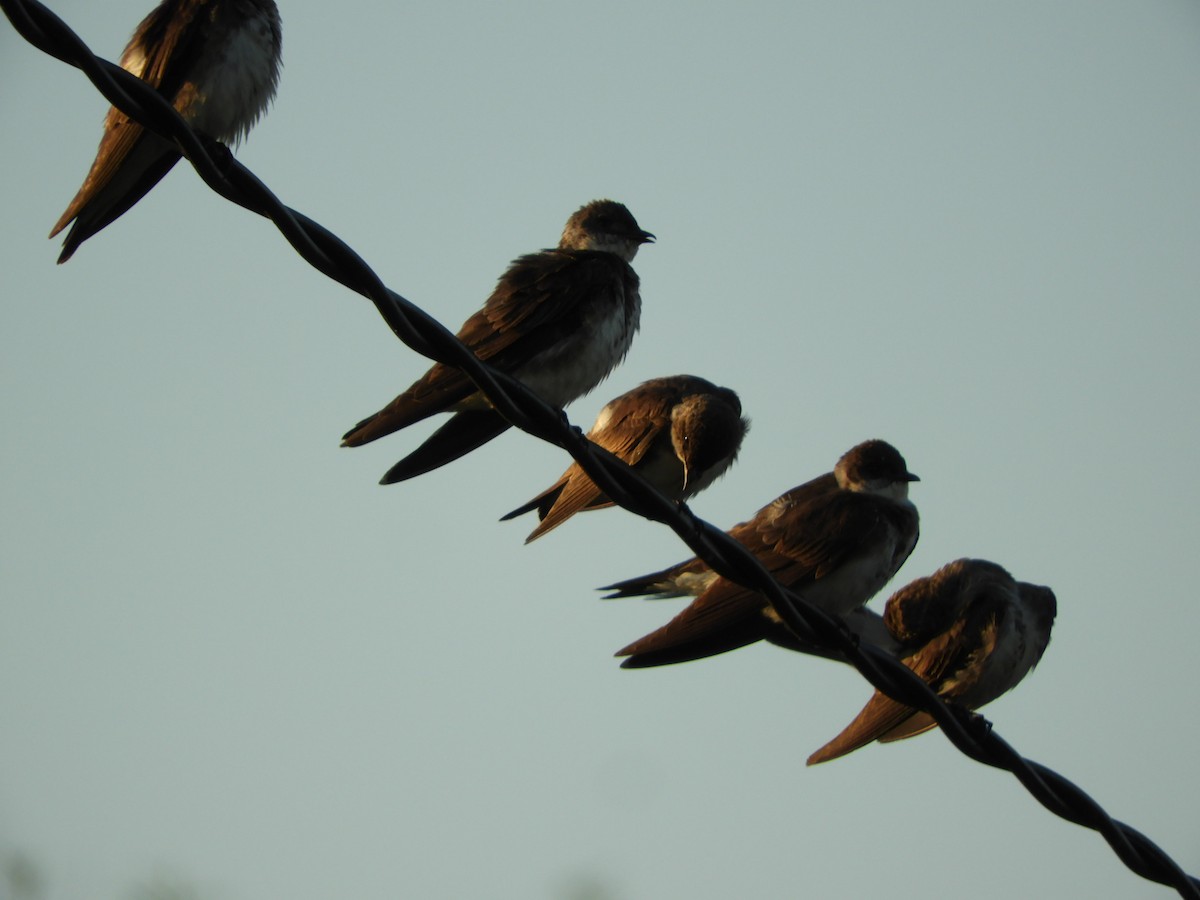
541	299
800	537
463	433
950	664
130	161
659	584
633	425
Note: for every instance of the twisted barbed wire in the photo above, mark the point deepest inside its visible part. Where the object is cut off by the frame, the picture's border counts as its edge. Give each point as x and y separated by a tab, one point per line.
970	732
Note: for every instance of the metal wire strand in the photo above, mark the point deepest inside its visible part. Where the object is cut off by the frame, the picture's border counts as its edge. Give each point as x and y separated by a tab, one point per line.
968	731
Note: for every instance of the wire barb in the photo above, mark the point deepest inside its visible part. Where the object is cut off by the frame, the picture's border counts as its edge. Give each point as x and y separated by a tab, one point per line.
970	733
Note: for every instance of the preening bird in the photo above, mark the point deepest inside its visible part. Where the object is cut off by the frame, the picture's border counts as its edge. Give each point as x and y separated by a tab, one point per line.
680	433
969	631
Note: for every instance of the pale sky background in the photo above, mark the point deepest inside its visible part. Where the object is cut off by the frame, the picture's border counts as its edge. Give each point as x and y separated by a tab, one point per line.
232	667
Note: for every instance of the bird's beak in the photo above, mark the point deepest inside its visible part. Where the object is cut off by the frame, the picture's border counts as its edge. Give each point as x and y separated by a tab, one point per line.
647	238
911	477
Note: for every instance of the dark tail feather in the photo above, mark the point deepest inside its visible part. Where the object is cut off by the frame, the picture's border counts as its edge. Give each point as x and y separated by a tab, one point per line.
542	503
653	585
92	215
463	433
519	511
746	632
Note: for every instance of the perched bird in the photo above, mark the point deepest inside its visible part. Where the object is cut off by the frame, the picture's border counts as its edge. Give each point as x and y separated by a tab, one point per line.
679	433
835	540
559	321
968	631
217	62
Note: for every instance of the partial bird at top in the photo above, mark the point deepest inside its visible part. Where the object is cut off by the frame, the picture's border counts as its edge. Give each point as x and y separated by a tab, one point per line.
835	540
558	321
217	62
680	433
969	631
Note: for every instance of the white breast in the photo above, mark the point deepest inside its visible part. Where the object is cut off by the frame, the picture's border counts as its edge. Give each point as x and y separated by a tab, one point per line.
237	84
568	371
